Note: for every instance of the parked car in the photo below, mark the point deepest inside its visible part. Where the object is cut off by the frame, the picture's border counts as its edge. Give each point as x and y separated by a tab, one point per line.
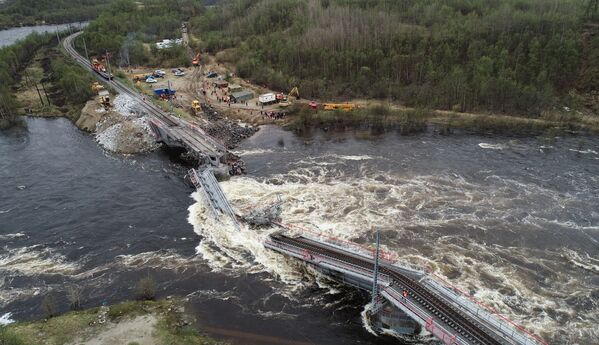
211	75
179	73
159	73
151	80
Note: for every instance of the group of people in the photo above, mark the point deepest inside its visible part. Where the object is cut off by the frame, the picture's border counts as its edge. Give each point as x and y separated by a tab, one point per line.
273	115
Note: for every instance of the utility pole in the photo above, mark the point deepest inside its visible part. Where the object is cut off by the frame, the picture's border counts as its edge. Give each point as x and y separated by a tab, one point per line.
375	286
45	92
170	97
85	47
30	82
108	65
58	36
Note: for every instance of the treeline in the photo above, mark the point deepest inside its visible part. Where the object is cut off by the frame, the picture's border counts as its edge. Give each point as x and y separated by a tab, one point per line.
511	56
129	29
31	12
13	59
72	80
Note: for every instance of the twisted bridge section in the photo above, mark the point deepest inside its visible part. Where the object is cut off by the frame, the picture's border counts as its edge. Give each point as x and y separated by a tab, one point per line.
436	307
439	308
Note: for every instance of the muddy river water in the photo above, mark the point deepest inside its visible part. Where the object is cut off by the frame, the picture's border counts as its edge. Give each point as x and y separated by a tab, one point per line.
512	220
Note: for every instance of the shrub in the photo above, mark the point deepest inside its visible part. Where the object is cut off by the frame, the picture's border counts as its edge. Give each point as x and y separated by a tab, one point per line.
49	305
9	338
74	296
146	289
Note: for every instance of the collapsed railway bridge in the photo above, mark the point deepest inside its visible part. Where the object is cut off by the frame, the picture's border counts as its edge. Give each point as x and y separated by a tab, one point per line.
168	129
405	299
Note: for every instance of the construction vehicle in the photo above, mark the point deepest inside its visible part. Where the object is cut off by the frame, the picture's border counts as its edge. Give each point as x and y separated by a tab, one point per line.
165	93
104	99
196	59
196	107
340	106
99	68
141	77
294	92
96	87
285	101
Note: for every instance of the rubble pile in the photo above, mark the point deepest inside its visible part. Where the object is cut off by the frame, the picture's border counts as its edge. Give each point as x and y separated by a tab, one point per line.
121	129
228	131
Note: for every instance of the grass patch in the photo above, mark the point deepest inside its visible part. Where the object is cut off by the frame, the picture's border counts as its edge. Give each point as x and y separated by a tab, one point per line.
55	331
174	327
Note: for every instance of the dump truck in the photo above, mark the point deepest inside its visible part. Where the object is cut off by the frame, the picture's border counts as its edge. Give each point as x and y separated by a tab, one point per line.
196	107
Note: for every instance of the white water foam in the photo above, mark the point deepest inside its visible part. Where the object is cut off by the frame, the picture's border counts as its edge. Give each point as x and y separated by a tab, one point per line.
5	319
492	146
366	319
322	198
35	260
251	152
12	236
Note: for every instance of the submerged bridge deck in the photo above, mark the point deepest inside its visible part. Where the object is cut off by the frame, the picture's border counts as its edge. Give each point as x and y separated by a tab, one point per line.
170	130
437	308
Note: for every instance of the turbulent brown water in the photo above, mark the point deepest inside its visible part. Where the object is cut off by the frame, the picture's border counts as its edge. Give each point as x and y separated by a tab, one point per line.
512	220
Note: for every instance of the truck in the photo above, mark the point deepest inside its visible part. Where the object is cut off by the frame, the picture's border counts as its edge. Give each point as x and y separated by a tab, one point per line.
267	98
340	106
99	68
164	93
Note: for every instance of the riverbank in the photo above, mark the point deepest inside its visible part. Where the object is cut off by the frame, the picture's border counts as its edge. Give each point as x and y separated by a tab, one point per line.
133	322
380	118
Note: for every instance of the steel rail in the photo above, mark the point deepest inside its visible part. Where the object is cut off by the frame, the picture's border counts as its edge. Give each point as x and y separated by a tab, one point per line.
443	311
207	142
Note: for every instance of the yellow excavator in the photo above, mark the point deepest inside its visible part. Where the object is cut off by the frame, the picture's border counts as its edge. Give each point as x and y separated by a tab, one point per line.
96	87
287	100
294	92
104	99
196	107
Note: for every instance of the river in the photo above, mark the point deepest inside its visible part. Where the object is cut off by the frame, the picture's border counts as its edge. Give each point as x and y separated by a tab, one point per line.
10	36
512	220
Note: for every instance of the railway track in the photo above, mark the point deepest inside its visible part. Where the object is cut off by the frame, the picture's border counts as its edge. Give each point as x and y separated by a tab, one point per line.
446	313
117	84
192	135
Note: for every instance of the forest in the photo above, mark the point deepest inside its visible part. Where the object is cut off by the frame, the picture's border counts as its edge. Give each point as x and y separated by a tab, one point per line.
32	12
509	56
128	30
13	59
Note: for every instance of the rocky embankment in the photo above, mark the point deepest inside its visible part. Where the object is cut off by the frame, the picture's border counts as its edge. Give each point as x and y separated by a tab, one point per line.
120	129
225	129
